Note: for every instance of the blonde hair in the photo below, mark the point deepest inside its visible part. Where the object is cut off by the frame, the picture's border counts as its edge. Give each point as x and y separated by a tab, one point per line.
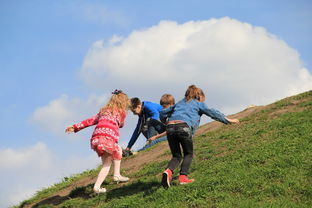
194	92
118	102
167	99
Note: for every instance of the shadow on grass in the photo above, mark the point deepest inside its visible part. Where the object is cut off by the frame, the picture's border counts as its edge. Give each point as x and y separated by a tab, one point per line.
54	200
134	188
86	192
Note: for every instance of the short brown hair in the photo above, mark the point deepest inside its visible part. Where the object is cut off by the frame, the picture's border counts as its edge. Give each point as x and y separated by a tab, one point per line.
134	102
194	92
167	99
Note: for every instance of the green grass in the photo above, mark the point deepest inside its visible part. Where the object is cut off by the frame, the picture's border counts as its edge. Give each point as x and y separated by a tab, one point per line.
263	162
66	182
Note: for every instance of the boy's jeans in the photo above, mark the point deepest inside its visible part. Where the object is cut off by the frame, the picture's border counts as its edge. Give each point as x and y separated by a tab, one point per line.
154	127
153	143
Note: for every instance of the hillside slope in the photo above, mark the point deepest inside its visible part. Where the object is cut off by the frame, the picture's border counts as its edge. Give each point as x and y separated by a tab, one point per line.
265	161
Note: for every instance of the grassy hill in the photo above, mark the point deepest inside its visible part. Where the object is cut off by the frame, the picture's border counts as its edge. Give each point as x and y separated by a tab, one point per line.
265	161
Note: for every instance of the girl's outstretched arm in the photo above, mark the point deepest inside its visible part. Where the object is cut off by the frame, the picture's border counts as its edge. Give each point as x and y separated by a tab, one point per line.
213	113
83	124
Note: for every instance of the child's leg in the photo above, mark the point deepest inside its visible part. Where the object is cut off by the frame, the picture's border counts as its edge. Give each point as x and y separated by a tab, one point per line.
106	163
157	126
117	175
175	149
175	160
117	163
187	146
151	131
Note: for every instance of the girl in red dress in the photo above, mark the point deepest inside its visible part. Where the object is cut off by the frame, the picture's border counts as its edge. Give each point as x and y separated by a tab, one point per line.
105	137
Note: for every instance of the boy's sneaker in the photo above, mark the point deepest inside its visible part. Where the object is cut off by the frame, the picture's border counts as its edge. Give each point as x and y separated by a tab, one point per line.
185	180
126	153
166	178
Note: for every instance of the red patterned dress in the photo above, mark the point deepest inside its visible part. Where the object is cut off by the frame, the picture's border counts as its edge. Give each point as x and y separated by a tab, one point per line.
106	133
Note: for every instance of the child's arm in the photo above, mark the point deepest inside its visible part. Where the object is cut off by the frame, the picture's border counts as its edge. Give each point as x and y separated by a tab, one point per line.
215	114
135	134
83	124
164	113
157	136
69	129
232	120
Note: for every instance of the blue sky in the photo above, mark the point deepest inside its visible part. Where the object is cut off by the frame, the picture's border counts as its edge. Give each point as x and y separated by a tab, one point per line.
61	59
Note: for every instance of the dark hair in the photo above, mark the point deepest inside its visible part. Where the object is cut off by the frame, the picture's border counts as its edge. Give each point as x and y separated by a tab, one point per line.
134	102
116	92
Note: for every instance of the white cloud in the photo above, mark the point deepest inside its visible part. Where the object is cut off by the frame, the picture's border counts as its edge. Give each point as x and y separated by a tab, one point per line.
235	63
11	159
64	111
25	171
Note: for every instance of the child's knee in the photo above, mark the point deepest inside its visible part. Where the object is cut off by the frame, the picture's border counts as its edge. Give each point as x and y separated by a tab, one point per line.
178	156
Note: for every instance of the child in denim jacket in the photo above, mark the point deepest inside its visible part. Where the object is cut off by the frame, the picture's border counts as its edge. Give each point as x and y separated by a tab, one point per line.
183	120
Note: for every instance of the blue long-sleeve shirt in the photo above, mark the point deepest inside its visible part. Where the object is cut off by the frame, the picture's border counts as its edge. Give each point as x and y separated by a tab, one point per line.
149	110
190	112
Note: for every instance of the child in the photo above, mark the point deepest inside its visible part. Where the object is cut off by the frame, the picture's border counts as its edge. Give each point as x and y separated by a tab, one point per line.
166	101
105	137
184	118
148	122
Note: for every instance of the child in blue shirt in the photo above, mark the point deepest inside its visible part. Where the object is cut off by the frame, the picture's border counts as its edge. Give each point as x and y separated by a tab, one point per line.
166	101
183	120
148	123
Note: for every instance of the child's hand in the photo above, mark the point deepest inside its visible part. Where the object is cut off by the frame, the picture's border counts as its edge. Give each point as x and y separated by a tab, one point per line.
233	120
153	138
69	129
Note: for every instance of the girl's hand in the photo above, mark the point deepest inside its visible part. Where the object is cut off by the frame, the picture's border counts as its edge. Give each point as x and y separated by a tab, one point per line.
69	129
232	120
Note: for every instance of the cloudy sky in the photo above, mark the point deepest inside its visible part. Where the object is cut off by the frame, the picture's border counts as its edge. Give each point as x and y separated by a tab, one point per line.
60	60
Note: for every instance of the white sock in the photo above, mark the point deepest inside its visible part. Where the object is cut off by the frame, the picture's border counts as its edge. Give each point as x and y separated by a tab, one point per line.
117	167
106	161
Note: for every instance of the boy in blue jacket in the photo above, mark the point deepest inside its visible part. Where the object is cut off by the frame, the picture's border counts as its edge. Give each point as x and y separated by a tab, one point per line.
148	123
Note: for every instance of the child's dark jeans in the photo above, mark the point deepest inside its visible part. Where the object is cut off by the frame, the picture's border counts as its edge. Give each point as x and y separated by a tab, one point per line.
180	135
151	128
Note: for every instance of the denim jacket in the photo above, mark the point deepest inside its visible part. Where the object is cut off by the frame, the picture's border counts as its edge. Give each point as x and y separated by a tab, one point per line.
149	110
190	112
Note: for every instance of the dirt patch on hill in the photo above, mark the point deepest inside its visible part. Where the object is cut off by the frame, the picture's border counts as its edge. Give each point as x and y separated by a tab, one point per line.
216	125
155	154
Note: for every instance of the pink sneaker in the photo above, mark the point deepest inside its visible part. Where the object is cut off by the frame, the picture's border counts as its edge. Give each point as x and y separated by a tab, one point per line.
185	180
166	178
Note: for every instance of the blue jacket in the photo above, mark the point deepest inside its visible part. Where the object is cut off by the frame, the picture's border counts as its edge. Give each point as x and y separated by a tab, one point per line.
190	112
149	110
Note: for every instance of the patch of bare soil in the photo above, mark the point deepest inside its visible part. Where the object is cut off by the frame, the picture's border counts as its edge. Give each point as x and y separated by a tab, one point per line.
216	125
